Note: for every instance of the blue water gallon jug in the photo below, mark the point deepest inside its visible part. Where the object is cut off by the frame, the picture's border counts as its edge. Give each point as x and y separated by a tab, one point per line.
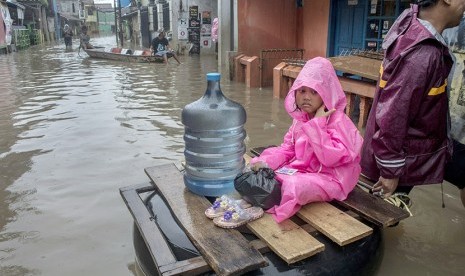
214	141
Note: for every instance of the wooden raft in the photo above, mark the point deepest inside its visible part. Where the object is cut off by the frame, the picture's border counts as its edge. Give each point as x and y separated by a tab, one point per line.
226	251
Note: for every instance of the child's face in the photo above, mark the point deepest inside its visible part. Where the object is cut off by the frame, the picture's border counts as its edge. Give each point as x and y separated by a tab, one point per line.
308	100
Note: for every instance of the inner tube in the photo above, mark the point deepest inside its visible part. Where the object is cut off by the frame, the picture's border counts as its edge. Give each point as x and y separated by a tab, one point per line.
358	258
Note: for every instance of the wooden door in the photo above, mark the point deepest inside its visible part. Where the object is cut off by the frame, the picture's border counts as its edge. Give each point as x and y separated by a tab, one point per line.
348	21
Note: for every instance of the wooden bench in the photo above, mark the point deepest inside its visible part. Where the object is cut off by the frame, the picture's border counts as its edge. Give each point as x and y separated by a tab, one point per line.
367	69
246	70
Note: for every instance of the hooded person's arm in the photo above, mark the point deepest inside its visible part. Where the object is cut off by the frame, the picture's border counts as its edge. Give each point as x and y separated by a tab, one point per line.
398	104
335	143
275	157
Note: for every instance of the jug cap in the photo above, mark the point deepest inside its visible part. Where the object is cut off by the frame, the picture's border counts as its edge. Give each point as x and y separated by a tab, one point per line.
213	76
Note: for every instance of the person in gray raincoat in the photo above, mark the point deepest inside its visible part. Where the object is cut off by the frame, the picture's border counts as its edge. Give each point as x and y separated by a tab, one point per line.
68	35
406	139
455	168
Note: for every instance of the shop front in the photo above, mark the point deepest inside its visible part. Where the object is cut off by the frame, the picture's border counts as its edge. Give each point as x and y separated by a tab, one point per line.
362	24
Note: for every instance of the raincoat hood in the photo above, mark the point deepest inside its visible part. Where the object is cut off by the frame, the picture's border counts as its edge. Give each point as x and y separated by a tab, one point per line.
319	75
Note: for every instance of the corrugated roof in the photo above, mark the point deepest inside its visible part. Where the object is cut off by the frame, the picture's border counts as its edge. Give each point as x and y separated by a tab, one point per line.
13	2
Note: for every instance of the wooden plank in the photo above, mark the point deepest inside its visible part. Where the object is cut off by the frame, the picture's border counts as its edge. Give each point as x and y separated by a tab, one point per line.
211	241
292	71
279	83
365	105
258	150
358	87
192	266
360	66
334	223
288	240
142	188
364	182
153	238
263	247
373	208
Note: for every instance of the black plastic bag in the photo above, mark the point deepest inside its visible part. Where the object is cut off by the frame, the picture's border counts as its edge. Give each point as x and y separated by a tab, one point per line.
260	188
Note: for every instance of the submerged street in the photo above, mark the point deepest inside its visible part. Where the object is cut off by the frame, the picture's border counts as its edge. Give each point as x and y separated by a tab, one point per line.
73	130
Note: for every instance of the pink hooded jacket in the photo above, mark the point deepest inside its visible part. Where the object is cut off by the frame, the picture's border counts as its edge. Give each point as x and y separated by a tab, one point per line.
215	30
324	150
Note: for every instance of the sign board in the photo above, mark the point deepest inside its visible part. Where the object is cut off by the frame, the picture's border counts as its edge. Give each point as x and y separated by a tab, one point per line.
183	23
206	17
373	6
194	23
206	29
182	33
205	42
194	12
352	2
372	44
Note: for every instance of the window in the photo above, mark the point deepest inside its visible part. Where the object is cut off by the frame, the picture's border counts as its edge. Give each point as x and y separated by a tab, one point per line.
381	15
74	9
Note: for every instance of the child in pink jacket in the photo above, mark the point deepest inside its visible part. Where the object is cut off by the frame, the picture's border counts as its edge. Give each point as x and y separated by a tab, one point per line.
322	145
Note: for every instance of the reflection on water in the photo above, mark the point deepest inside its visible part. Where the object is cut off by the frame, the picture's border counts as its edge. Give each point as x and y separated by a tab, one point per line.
73	130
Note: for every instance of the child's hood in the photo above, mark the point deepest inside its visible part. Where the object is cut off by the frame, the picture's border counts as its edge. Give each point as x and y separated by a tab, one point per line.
318	74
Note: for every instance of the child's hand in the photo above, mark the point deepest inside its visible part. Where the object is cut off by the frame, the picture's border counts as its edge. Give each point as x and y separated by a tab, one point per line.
259	165
322	113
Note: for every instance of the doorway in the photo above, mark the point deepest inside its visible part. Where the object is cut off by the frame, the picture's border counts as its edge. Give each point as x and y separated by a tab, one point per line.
348	19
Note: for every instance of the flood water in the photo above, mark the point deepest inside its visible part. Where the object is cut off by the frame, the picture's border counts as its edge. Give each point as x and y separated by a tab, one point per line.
73	130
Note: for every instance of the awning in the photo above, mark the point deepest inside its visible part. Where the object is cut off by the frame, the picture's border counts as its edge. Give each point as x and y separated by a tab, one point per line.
13	2
70	17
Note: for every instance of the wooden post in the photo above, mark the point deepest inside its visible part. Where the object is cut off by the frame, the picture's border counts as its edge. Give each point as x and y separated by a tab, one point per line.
365	105
279	83
350	103
238	70
252	78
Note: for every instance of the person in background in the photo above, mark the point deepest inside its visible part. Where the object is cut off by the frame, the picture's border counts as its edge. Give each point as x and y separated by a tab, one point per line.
455	168
85	39
215	27
160	47
68	36
319	158
407	135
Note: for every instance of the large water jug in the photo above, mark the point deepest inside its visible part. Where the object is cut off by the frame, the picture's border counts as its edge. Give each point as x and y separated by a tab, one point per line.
214	141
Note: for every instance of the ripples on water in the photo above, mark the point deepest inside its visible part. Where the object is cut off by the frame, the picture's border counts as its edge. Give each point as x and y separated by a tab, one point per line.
73	130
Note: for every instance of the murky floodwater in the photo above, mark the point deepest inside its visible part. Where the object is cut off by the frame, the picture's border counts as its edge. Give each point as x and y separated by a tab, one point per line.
73	130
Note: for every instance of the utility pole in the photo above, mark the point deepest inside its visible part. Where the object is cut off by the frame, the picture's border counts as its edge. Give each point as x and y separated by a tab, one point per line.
57	21
116	22
120	24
